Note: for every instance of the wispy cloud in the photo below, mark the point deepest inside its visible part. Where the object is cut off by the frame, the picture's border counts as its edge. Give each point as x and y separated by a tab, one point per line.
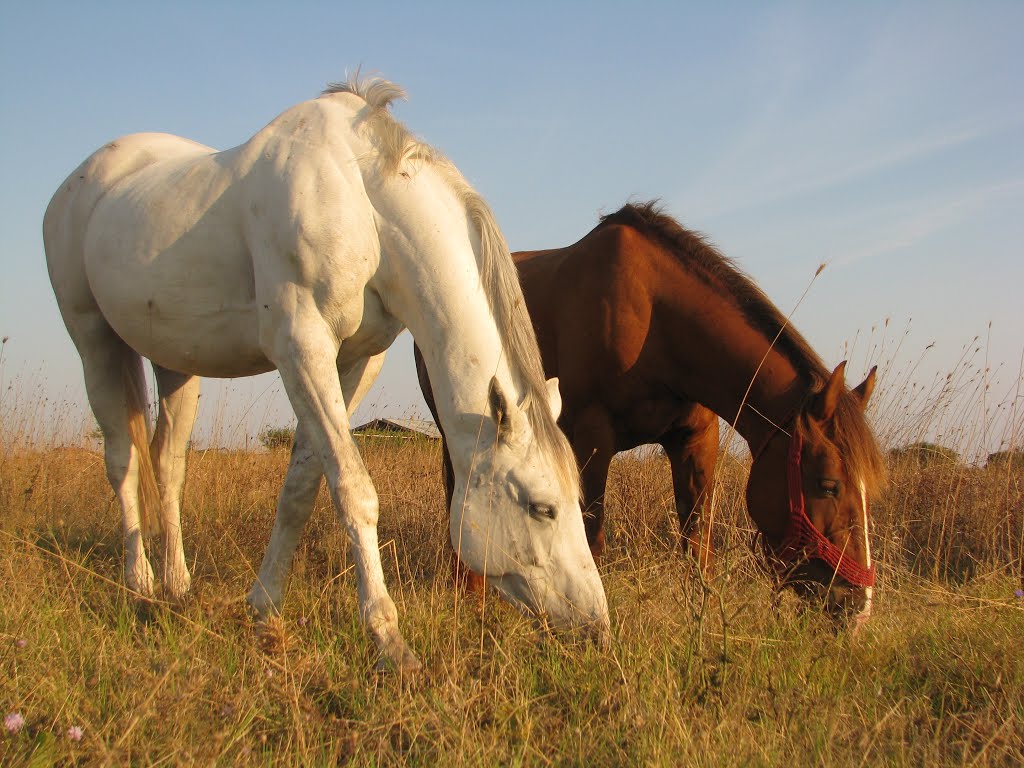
798	172
930	217
821	119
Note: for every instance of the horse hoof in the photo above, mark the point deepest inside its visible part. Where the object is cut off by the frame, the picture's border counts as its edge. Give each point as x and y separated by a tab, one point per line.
140	581
177	587
261	606
404	663
261	614
177	593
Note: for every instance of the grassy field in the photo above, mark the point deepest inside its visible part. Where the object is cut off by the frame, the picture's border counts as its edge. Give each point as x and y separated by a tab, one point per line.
719	674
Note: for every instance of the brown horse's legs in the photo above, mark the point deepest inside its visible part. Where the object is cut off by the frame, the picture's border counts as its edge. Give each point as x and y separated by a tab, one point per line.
692	451
463	576
593	442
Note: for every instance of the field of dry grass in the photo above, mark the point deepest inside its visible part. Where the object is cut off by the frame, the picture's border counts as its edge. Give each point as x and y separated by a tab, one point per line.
718	675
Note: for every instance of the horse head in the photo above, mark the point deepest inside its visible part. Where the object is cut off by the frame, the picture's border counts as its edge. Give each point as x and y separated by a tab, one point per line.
808	492
516	519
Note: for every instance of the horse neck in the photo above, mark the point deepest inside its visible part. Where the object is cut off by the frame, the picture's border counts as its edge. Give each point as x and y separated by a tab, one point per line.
462	350
437	293
728	365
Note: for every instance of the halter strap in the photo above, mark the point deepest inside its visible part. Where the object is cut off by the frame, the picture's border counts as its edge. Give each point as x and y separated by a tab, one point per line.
802	540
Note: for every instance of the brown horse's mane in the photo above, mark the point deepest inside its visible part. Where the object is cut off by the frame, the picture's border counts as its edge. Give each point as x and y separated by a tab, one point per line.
850	431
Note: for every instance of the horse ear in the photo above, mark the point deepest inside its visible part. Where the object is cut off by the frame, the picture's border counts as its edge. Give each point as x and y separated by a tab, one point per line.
554	397
825	401
865	388
497	402
503	411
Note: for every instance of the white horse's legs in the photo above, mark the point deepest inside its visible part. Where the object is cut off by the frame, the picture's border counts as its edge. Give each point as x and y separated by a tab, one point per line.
179	399
104	360
295	503
357	379
313	386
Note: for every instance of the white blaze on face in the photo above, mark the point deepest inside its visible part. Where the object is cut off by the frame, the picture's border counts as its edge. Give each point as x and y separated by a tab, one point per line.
863	615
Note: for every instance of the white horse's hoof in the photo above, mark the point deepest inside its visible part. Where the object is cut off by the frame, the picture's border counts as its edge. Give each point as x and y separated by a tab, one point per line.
261	605
401	660
177	585
140	579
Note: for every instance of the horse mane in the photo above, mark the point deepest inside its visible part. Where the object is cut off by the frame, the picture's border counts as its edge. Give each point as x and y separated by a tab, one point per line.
395	143
396	147
850	430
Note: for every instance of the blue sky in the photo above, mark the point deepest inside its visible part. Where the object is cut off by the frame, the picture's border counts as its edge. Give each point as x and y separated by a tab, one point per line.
884	139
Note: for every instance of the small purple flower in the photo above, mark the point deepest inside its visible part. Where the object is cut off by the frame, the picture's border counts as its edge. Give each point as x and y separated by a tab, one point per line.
302	621
14	722
1019	593
74	733
21	642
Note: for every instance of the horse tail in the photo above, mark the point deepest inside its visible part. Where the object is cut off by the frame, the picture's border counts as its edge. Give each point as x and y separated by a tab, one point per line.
138	429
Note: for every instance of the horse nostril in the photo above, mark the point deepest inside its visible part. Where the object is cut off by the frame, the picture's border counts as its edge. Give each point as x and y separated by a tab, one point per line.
845	603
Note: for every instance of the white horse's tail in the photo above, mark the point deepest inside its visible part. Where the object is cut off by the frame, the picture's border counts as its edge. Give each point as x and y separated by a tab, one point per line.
138	429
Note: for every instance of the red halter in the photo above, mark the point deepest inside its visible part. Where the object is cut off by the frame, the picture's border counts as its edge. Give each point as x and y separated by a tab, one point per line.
802	540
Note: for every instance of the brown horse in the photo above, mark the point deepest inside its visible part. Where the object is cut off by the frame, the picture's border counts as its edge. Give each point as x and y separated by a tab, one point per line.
653	335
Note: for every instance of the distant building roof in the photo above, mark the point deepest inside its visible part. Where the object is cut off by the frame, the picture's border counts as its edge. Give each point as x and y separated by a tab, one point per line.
400	427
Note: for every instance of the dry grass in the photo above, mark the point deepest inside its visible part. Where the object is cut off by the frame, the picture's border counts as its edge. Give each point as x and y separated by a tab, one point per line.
722	674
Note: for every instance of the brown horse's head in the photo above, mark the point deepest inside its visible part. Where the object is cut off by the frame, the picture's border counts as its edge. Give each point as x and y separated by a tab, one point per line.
808	492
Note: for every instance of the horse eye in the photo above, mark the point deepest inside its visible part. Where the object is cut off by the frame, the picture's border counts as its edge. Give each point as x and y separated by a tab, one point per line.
542	511
829	488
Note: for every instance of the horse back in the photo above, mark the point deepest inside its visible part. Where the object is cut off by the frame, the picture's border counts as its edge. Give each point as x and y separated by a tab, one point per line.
598	307
71	208
592	301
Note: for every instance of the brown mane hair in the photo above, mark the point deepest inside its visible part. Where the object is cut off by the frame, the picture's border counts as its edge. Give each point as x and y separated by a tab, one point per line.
850	431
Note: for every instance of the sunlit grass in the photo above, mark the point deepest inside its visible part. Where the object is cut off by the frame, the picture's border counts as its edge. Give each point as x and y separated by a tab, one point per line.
725	673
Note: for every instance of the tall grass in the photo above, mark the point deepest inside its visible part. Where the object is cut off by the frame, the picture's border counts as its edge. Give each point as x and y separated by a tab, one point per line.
716	672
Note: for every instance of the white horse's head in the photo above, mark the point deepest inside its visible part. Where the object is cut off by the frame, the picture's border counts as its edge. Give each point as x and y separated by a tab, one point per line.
517	520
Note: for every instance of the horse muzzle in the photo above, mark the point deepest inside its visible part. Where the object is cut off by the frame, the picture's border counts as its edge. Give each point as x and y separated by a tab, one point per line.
581	609
845	604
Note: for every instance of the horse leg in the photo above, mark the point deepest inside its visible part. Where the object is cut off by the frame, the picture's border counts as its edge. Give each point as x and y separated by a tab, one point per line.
357	379
110	368
692	451
593	442
462	575
294	506
179	400
298	495
303	353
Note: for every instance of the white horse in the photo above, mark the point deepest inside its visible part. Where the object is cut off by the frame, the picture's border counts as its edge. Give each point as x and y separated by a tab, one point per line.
307	249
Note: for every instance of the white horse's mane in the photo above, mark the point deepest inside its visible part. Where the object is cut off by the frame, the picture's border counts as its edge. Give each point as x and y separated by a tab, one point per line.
395	143
397	146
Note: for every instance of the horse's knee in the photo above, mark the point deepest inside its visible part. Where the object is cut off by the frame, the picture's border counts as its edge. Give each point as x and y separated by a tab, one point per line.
360	506
597	543
593	522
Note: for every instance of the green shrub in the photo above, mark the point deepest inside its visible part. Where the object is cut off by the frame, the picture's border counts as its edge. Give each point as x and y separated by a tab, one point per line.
1013	458
273	438
926	454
